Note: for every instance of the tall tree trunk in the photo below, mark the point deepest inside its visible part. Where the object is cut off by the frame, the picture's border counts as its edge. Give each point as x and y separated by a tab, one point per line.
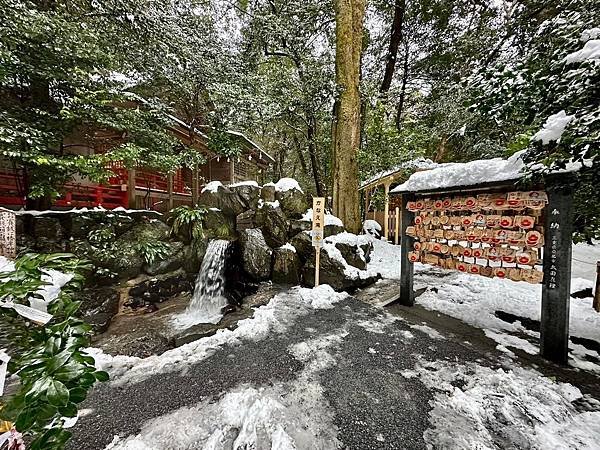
395	39
311	132
402	92
349	16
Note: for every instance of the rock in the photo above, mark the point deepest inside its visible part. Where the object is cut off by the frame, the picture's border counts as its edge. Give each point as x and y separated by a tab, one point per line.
373	228
267	193
331	230
159	288
286	266
98	306
296	226
174	260
245	220
293	202
218	225
273	223
248	192
141	343
147	231
303	244
223	198
47	228
123	259
81	225
193	255
333	272
353	255
256	255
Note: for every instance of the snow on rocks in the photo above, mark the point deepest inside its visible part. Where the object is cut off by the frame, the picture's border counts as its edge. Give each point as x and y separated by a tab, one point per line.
492	407
287	184
553	128
330	219
212	187
275	317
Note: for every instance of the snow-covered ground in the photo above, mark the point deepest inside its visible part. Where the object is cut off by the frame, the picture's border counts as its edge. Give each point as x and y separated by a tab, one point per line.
475	299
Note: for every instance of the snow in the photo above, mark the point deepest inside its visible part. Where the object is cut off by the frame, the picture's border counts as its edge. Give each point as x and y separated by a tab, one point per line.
288	246
287	184
285	416
371	225
212	187
553	128
432	333
471	173
592	33
245	183
6	265
385	259
262	203
585	257
590	50
82	211
493	406
350	271
416	164
275	317
329	218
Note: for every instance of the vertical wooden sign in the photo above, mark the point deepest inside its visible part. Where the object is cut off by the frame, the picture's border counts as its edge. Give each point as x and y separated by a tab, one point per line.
8	234
318	224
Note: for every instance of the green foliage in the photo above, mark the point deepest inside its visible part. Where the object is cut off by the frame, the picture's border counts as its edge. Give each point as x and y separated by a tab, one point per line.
55	374
186	219
153	251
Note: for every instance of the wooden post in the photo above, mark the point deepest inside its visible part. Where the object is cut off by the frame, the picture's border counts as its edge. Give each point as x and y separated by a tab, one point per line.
407	294
317	264
195	186
131	201
597	291
366	194
554	332
397	227
170	190
386	212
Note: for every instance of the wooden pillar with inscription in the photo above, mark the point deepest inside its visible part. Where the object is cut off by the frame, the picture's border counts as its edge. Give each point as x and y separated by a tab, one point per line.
407	294
556	286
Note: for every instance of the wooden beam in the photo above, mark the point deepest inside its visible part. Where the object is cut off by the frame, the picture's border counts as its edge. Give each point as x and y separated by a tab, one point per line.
407	294
597	290
170	189
397	228
386	212
556	288
195	186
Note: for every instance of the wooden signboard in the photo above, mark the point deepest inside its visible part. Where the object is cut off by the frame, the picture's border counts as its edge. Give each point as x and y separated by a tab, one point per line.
318	224
494	230
8	235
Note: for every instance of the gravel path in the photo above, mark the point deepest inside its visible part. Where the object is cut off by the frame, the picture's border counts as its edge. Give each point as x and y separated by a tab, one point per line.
374	407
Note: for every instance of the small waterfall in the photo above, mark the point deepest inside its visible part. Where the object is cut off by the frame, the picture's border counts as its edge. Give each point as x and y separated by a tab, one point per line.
208	298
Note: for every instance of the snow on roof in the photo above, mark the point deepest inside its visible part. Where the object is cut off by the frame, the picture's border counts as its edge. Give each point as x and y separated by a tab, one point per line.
287	184
418	163
472	173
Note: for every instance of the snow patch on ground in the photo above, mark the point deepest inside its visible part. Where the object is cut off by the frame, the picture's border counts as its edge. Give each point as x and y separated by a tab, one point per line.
275	317
508	340
385	259
432	333
295	415
492	407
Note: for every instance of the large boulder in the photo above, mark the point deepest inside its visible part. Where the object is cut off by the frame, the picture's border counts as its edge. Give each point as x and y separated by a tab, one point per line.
256	254
290	196
286	265
151	230
245	220
335	272
215	195
297	226
174	260
267	192
98	306
160	288
193	255
248	192
273	222
47	228
302	242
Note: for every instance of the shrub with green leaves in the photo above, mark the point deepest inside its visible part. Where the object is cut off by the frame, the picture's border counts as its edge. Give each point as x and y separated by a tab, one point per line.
153	251
55	374
188	220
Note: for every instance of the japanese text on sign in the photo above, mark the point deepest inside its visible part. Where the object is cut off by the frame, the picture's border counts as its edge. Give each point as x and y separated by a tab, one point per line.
318	221
554	226
8	236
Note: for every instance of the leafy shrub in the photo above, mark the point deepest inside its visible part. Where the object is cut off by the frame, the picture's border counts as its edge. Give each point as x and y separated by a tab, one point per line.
189	220
55	374
151	251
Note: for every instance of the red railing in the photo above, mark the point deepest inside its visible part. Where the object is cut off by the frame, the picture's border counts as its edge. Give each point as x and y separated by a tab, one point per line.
11	188
79	196
148	179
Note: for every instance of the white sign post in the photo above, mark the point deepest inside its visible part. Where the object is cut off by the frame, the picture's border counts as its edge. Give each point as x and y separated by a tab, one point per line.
8	234
318	223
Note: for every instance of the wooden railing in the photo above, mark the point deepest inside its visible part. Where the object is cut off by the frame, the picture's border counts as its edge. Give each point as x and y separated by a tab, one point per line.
79	196
11	188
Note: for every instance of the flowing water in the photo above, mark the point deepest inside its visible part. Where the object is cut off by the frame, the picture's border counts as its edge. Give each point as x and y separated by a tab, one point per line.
208	298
